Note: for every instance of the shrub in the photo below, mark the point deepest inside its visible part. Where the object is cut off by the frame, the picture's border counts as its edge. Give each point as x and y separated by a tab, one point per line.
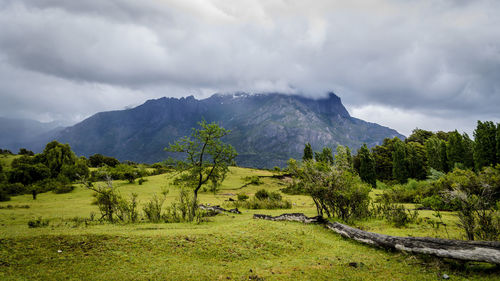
438	203
39	222
255	180
394	213
4	196
255	203
59	189
141	181
242	197
153	208
261	194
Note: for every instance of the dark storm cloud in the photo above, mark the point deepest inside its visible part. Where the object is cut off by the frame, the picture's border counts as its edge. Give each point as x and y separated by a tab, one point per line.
421	62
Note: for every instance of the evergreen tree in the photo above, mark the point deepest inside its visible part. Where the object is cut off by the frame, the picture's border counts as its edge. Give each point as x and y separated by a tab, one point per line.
485	144
444	158
419	135
433	153
416	159
343	158
308	152
367	166
454	149
498	144
468	145
325	156
399	163
382	155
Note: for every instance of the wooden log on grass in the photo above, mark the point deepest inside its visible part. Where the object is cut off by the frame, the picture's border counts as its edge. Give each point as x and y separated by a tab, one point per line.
480	251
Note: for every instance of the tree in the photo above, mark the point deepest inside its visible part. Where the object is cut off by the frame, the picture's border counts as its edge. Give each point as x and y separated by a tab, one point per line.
324	156
24	151
419	135
308	152
468	145
399	163
417	162
382	155
485	144
343	159
498	143
433	153
455	149
444	158
207	157
367	166
55	155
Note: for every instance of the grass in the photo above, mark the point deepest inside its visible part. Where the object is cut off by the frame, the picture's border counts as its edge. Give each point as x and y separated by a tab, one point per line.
228	247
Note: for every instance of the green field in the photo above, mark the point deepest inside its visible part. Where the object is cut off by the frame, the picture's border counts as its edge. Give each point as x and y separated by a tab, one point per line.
227	247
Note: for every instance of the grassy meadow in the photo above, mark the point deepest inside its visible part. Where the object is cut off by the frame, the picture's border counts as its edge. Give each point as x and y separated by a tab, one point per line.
226	247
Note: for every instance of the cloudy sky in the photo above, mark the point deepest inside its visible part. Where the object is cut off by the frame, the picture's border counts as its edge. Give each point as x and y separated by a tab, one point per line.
399	63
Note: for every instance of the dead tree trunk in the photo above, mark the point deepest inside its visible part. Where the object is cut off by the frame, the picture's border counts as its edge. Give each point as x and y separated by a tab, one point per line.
482	251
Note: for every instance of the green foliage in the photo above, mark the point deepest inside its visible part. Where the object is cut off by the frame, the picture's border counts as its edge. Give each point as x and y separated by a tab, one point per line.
367	166
438	203
207	157
396	214
324	156
334	191
343	158
242	197
455	150
308	152
38	222
420	136
399	162
24	151
416	160
485	144
382	156
255	180
99	160
433	152
4	196
263	200
60	189
153	208
55	156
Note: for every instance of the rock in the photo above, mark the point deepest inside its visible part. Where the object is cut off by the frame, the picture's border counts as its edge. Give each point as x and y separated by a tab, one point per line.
445	276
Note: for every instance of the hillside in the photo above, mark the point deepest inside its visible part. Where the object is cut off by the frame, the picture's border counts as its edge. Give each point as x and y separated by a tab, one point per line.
267	129
17	133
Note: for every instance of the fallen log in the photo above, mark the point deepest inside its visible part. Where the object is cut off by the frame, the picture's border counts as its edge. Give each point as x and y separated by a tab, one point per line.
218	209
481	251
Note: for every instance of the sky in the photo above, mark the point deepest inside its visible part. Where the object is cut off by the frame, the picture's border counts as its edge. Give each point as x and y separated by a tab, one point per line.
401	63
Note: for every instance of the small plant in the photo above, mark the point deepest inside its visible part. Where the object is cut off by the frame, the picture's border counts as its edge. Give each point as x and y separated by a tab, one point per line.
263	200
153	208
394	213
255	180
242	197
38	222
141	181
261	194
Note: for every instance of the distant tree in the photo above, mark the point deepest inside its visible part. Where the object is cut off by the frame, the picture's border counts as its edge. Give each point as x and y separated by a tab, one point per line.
98	160
55	155
367	166
343	158
24	151
485	144
399	163
468	144
207	157
444	158
455	149
382	154
433	153
308	152
325	156
419	135
416	159
442	135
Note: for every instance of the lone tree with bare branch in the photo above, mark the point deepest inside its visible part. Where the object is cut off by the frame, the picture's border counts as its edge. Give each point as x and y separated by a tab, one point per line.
207	157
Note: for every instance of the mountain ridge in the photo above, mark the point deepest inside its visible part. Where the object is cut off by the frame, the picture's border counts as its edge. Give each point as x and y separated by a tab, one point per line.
267	129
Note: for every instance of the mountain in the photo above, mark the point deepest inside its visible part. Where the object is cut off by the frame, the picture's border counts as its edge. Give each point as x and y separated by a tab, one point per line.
267	129
17	133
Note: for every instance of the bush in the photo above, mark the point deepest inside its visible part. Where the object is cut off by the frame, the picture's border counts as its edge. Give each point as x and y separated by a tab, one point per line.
255	203
255	180
242	197
39	222
395	214
4	196
153	208
261	194
141	181
438	203
60	189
